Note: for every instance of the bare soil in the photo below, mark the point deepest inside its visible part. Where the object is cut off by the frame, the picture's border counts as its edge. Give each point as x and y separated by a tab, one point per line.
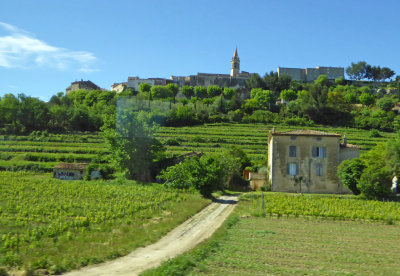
183	238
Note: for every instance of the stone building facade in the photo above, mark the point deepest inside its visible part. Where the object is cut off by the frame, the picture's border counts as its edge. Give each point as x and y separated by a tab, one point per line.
306	161
311	74
85	85
235	80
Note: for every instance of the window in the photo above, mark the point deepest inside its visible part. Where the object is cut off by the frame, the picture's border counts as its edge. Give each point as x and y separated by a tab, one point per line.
292	151
318	138
319	170
293	137
319	152
292	169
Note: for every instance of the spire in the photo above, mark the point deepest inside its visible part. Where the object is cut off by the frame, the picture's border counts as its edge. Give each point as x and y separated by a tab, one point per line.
235	55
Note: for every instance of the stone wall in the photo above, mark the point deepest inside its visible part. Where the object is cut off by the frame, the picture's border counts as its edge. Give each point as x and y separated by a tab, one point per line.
311	74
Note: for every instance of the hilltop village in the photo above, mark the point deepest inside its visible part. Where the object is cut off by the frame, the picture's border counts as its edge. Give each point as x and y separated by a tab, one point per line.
235	80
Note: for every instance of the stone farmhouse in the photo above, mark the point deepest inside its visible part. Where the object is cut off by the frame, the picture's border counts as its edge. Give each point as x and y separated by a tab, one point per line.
73	171
85	85
306	161
311	74
235	80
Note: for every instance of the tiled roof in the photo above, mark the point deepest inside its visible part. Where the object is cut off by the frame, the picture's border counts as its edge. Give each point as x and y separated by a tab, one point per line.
305	132
72	166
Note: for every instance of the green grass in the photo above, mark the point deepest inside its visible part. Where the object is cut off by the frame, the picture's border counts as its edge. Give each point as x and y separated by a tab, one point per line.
61	225
308	244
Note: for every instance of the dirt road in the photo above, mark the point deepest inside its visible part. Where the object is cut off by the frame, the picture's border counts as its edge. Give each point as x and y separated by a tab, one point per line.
181	239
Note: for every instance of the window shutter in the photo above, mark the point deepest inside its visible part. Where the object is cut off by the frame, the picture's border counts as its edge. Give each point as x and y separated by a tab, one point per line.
314	151
297	169
287	168
323	152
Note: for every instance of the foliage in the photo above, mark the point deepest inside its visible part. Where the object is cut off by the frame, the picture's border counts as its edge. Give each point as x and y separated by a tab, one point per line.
213	91
200	92
160	92
349	173
367	99
131	141
205	174
386	103
188	91
144	87
288	95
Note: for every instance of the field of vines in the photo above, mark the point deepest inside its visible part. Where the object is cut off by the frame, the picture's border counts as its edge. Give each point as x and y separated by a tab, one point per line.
40	154
39	214
328	206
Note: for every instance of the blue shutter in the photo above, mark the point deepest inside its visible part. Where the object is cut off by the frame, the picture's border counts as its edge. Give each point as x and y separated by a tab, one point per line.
297	169
287	168
314	151
323	149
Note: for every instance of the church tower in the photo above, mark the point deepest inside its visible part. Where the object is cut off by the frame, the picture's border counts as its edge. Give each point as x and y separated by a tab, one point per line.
235	64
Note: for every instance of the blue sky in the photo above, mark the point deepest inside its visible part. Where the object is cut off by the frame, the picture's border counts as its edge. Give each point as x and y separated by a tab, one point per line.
45	45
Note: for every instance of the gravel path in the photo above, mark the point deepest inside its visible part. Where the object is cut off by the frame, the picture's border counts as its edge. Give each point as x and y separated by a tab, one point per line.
183	238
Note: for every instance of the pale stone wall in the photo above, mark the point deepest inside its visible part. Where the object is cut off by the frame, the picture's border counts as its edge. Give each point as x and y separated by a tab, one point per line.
311	74
257	180
348	153
278	158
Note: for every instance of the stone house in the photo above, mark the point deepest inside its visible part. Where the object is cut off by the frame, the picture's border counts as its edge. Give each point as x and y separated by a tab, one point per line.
73	171
306	161
85	85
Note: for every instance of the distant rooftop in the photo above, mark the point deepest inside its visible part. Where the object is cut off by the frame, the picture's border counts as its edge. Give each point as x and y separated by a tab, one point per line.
72	166
305	132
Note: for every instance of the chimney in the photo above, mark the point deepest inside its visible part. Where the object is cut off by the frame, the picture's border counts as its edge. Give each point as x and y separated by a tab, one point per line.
344	140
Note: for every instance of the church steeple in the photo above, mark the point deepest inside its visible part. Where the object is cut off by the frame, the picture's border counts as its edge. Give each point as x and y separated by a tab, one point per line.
235	64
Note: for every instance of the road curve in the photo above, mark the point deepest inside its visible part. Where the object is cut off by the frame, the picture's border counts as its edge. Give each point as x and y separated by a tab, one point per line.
183	238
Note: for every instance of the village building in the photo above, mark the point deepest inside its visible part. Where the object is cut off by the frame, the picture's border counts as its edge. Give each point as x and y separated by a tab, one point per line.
311	74
85	85
73	171
306	161
235	80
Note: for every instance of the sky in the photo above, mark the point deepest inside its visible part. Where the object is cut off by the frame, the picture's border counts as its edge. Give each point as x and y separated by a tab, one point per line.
47	44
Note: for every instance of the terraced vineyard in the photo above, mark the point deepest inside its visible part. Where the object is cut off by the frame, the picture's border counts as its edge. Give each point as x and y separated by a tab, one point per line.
19	153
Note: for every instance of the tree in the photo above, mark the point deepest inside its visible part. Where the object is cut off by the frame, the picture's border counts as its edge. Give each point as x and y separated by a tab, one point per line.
213	91
366	99
200	92
229	93
387	73
322	80
255	81
385	103
188	91
174	88
131	141
349	172
357	71
288	95
160	92
144	87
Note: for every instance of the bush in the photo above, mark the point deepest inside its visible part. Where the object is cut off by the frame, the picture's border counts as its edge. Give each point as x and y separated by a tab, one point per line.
172	142
375	183
374	133
349	172
297	121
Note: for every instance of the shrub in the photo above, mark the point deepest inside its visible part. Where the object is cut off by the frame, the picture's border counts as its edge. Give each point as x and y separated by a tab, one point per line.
373	133
349	172
172	142
375	183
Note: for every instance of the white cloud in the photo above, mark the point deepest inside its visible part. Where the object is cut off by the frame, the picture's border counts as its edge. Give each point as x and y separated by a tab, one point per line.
20	49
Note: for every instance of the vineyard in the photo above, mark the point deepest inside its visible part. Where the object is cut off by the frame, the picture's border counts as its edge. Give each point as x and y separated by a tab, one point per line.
59	225
42	153
327	206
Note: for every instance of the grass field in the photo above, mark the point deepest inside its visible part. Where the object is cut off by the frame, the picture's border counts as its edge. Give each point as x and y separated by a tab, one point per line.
307	244
42	153
60	225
